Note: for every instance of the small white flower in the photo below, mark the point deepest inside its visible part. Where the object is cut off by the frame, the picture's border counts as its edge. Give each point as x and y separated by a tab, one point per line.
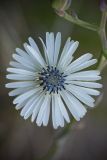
54	83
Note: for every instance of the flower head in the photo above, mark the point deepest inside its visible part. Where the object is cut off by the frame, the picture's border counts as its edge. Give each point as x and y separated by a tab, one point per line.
52	82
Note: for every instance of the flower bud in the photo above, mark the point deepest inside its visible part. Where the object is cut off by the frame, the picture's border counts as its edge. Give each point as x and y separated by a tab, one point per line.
103	5
61	5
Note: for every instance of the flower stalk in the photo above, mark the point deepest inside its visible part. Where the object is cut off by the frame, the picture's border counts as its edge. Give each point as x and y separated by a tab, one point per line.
103	37
102	33
75	20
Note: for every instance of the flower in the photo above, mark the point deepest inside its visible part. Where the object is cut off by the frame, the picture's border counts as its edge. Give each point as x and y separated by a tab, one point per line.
54	83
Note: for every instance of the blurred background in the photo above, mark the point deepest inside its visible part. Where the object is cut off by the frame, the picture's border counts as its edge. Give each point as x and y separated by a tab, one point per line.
20	139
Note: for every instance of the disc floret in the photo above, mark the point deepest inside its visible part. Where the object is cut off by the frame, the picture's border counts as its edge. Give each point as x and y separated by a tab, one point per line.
52	79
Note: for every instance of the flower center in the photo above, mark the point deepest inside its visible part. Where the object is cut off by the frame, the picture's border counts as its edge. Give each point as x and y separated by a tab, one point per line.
51	79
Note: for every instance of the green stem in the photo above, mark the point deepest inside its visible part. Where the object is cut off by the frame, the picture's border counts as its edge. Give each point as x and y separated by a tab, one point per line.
102	62
81	23
56	140
102	31
102	34
50	152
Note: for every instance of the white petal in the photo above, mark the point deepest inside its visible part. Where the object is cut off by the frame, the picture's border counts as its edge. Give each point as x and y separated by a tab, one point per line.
42	110
78	106
32	106
84	78
53	112
80	109
34	61
24	62
57	47
45	50
18	91
85	75
50	47
87	90
69	54
27	50
91	91
27	106
30	110
20	71
81	66
81	60
46	114
19	106
22	104
20	77
87	84
37	106
33	44
20	84
58	114
22	53
63	109
25	55
65	49
81	95
26	95
70	105
37	56
17	65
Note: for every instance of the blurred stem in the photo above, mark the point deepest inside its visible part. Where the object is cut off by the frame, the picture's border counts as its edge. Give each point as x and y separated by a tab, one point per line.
103	37
51	151
102	30
102	62
56	141
81	23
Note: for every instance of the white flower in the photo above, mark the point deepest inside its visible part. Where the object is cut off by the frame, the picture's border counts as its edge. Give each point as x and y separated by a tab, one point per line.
52	82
